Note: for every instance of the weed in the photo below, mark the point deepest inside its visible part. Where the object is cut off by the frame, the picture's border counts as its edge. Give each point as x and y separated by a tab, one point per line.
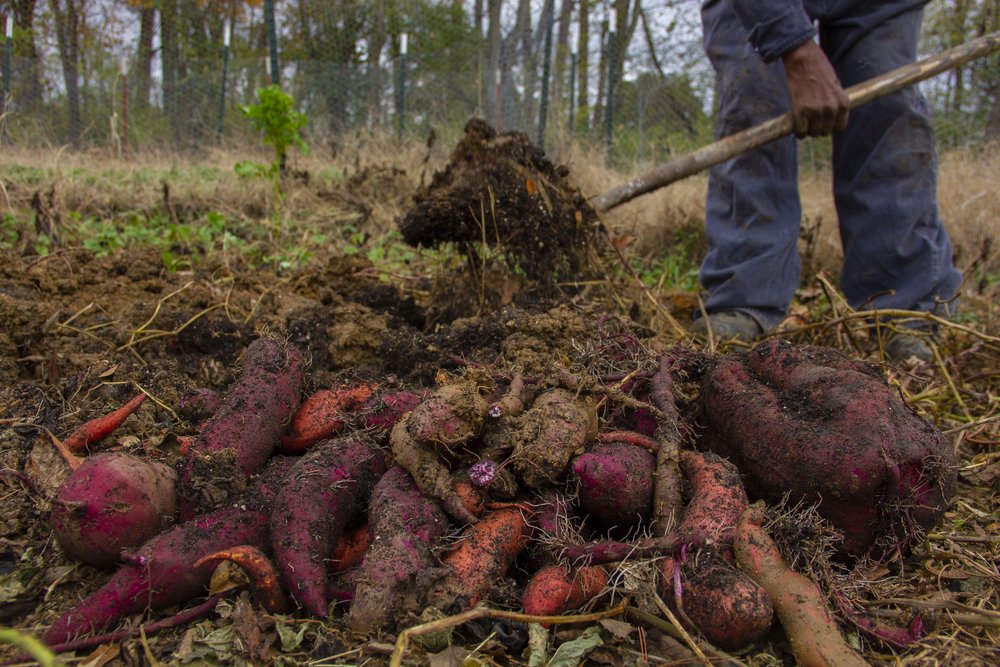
275	117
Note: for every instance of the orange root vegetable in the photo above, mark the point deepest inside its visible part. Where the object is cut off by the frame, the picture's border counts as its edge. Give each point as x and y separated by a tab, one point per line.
717	500
807	620
725	605
97	429
556	589
350	549
470	497
112	503
326	490
260	570
483	556
323	415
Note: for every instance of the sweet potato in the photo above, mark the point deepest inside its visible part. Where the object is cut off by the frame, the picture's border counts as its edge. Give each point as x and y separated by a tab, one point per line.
112	502
405	527
97	429
717	500
259	569
725	605
322	415
450	416
197	405
245	429
615	482
350	549
162	571
324	491
482	557
556	589
558	425
384	410
823	428
805	616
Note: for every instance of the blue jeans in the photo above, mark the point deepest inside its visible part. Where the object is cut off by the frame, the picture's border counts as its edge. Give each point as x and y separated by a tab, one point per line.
897	254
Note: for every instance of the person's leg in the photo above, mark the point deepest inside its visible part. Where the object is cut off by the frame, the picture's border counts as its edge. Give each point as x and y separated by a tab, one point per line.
897	254
752	210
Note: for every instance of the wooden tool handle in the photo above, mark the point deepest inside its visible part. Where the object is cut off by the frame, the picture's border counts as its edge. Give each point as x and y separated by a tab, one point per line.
770	130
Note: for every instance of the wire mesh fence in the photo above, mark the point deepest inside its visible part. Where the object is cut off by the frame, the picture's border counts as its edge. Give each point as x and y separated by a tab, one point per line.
174	74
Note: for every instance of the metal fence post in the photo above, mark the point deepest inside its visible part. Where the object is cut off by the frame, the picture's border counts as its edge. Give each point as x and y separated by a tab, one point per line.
272	41
401	87
543	108
612	48
123	73
227	33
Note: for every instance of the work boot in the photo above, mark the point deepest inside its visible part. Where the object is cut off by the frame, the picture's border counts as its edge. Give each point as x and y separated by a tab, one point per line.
728	325
902	346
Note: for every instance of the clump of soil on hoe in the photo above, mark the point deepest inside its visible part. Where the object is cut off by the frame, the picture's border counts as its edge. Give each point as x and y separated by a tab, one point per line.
409	469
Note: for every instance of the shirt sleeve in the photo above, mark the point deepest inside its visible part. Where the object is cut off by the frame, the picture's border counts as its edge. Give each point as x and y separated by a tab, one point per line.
775	26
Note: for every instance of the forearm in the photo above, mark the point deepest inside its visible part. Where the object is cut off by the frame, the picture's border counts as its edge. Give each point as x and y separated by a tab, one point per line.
775	26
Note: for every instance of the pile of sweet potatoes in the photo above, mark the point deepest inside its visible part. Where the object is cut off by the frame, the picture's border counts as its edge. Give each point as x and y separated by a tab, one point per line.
397	500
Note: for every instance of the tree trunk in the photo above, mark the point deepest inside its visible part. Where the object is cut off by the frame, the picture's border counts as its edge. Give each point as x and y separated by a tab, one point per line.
169	57
67	19
376	44
27	65
560	59
491	78
143	68
529	65
583	68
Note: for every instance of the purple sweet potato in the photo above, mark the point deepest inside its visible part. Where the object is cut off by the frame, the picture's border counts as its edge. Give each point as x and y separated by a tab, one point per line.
384	410
325	490
243	432
821	427
717	501
405	527
616	483
112	503
162	571
197	405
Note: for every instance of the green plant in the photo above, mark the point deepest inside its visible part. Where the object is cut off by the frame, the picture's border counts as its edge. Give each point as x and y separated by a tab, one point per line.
275	117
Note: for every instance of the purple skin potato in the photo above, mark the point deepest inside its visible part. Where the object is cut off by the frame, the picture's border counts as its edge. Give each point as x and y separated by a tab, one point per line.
558	425
112	503
726	606
162	573
825	428
405	527
616	483
325	490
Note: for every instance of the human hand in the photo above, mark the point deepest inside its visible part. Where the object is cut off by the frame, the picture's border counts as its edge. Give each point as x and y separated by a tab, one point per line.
819	103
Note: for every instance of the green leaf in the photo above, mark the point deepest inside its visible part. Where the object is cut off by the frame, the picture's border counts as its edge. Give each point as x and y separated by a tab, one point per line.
569	654
291	636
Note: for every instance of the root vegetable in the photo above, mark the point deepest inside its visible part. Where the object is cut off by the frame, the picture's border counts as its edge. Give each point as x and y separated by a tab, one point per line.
482	557
382	412
112	503
323	415
725	605
325	490
350	549
556	589
812	631
405	526
162	572
616	483
260	570
667	504
820	427
558	425
717	500
197	405
97	429
246	427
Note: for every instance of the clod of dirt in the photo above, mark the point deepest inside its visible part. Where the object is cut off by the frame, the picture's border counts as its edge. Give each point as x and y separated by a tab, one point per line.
500	190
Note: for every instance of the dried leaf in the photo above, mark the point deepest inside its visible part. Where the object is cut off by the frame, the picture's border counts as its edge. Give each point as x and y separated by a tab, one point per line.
571	653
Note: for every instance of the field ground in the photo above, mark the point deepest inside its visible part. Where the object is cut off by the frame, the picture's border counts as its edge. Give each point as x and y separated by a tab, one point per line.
157	273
